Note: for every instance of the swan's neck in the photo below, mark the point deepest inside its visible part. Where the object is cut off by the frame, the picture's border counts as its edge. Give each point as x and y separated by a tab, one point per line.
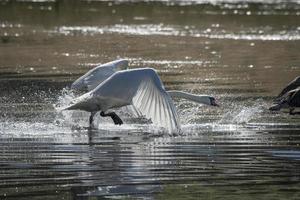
202	99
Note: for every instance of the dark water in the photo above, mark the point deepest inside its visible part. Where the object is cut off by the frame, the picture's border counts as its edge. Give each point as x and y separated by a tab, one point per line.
241	52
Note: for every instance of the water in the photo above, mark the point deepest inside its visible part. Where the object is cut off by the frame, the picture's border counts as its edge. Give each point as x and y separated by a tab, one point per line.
241	52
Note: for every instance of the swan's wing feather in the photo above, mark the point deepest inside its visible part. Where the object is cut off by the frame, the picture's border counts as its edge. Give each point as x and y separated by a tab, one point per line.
156	105
97	75
133	111
144	90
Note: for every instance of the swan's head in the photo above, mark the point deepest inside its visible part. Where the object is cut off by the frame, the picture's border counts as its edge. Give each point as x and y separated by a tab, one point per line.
212	101
204	99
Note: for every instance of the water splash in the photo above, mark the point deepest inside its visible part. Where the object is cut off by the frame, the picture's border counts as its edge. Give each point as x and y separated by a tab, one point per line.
18	128
70	118
64	99
242	114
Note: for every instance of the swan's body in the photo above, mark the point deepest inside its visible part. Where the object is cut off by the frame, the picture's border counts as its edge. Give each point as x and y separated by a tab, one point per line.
141	88
97	75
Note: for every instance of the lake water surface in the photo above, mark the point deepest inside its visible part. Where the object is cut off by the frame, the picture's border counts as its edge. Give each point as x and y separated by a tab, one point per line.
241	52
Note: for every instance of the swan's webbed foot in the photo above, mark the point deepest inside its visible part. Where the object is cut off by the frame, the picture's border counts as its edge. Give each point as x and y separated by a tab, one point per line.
117	120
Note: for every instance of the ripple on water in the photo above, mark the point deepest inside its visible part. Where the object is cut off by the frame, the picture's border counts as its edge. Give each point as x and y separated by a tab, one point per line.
239	150
130	160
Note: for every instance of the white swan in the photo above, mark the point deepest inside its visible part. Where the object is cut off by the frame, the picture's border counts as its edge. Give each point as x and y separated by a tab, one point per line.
141	88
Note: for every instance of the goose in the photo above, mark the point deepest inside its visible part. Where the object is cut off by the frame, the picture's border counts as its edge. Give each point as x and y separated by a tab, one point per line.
291	86
290	100
141	88
289	97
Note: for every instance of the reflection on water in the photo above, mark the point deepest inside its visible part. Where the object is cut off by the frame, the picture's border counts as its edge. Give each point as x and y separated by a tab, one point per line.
120	163
241	52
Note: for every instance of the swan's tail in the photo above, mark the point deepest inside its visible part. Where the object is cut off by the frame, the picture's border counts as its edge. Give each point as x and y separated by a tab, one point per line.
79	103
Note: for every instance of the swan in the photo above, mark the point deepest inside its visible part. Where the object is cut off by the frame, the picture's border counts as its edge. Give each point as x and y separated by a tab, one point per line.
97	75
289	97
141	88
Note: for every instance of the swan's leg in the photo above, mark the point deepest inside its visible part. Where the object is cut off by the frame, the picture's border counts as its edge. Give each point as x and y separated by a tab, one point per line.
92	119
114	117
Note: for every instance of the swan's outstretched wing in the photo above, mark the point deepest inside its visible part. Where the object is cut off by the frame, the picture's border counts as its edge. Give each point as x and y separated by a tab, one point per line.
156	104
133	111
143	89
97	75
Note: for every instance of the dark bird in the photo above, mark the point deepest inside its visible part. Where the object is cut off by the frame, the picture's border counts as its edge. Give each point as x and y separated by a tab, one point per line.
294	84
289	97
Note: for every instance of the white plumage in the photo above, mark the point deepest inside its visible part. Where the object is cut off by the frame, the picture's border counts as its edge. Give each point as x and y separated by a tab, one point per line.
97	75
141	88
